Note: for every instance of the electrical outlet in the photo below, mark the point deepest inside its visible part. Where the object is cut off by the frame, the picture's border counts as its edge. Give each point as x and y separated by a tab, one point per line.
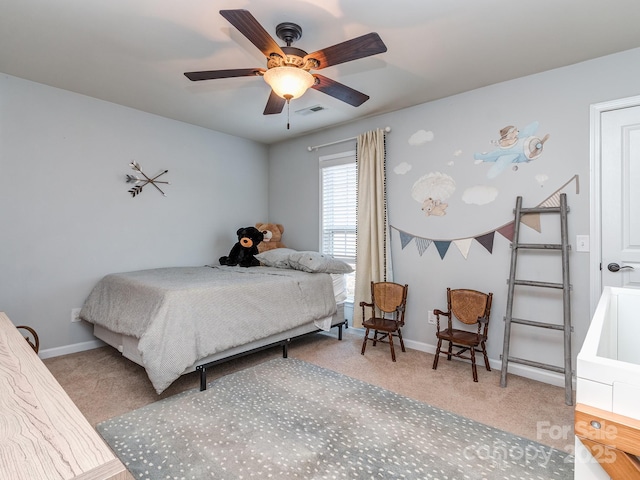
431	318
75	315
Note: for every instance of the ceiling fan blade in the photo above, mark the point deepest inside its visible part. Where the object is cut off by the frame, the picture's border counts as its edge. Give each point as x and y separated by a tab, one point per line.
275	104
251	28
339	91
360	47
213	74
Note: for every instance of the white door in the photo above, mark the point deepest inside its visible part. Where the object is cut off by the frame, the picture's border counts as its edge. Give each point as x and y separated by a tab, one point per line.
620	200
615	220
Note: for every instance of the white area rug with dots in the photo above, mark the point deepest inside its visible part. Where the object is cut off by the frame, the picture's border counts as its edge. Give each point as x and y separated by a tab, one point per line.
289	419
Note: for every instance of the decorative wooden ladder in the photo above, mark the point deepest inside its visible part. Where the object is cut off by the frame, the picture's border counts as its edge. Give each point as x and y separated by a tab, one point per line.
565	286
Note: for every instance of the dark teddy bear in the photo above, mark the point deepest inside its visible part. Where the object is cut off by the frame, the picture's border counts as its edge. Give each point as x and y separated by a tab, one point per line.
244	250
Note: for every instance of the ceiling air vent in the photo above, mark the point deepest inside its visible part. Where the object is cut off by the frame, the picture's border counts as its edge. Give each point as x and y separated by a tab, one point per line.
310	110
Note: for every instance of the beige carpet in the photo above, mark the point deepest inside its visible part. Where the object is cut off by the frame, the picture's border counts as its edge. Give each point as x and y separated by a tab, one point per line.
104	384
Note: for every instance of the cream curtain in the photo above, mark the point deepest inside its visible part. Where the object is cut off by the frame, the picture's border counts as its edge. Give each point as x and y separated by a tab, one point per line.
373	257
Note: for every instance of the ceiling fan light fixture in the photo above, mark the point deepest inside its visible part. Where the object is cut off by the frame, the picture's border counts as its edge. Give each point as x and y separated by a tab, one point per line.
288	82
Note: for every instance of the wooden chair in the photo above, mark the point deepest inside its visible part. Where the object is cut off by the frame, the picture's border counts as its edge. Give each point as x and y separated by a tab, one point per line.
35	344
388	303
471	308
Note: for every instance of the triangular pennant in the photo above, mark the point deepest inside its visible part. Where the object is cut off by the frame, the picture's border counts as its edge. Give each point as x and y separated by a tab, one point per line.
486	241
532	220
463	245
507	231
442	247
405	238
422	244
552	201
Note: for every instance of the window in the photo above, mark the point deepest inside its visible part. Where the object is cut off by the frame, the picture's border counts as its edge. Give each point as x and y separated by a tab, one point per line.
338	190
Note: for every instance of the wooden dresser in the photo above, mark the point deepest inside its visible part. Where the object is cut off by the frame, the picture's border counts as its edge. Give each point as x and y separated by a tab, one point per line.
43	435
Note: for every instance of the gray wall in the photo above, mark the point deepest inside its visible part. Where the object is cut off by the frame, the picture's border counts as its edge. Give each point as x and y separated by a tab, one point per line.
463	125
67	219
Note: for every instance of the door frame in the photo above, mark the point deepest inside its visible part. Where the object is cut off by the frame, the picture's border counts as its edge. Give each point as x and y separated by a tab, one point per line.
595	250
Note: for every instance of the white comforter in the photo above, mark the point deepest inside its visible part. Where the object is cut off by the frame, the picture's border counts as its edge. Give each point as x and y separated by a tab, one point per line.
184	314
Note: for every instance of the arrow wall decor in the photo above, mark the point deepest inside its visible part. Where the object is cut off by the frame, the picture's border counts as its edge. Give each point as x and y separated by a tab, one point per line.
139	183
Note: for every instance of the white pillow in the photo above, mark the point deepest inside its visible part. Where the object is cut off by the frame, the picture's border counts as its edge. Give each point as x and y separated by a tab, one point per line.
277	257
316	262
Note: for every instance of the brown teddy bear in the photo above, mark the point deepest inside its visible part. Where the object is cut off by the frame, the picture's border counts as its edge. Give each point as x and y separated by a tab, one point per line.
272	233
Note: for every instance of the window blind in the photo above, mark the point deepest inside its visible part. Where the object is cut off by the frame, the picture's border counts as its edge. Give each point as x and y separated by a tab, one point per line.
339	193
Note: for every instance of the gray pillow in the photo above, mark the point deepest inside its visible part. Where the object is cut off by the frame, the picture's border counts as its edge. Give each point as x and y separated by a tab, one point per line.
316	262
278	257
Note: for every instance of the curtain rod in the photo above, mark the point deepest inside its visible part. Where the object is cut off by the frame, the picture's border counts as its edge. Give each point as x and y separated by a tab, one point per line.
311	149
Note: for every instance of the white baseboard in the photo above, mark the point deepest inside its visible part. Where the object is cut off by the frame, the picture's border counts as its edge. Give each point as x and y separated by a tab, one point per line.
67	349
525	371
540	375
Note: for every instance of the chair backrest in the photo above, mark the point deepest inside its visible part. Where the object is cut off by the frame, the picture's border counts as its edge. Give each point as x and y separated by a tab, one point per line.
389	297
468	305
35	344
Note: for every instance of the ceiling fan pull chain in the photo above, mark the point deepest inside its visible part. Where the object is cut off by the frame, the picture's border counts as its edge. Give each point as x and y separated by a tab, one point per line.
288	98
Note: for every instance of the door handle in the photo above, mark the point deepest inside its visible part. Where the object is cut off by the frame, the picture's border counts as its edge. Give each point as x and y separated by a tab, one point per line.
614	267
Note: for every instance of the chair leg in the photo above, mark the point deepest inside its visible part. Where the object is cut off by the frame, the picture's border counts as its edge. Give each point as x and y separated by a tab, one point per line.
486	358
449	352
473	364
364	343
375	338
393	352
401	342
435	359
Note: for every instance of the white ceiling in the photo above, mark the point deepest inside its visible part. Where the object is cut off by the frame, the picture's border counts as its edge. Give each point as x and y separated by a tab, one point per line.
134	52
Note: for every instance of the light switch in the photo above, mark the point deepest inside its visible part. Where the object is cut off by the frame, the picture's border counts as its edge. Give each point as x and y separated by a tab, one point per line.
582	243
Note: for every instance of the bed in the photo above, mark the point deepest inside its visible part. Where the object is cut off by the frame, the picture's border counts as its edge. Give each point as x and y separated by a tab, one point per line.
176	320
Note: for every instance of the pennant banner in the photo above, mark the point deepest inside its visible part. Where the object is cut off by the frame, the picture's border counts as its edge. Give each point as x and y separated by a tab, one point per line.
486	239
405	238
442	247
463	245
422	244
508	230
532	220
552	201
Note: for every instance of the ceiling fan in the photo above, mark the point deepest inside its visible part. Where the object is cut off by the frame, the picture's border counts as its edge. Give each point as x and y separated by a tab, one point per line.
288	68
